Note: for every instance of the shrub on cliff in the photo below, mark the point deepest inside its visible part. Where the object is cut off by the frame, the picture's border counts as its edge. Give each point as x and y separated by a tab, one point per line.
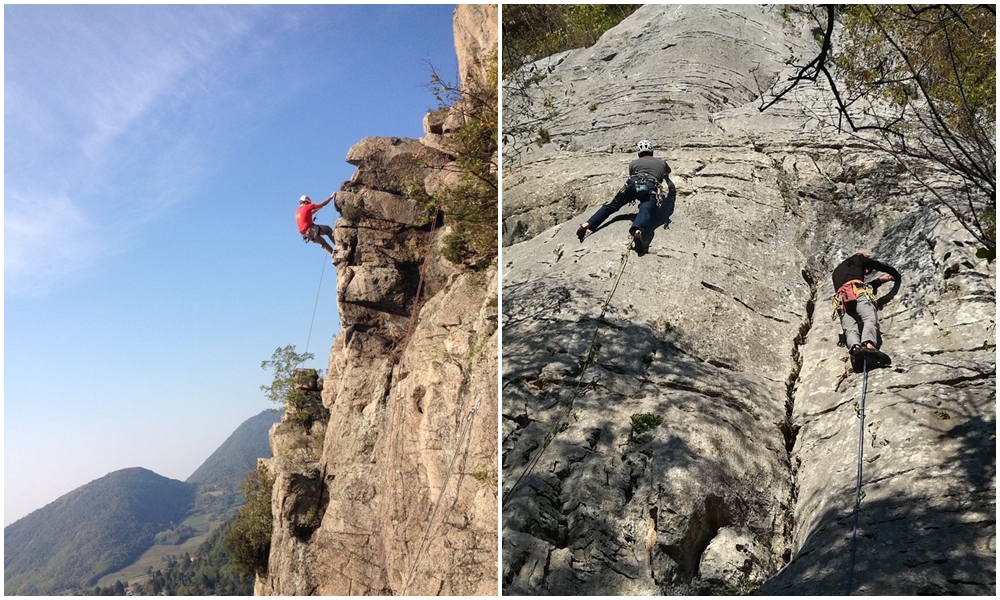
283	362
534	31
249	541
470	207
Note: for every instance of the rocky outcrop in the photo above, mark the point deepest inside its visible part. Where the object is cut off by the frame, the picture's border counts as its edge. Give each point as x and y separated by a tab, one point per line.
722	335
397	493
476	42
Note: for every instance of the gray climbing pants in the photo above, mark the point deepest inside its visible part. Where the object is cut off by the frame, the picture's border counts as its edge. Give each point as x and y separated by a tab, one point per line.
860	322
316	233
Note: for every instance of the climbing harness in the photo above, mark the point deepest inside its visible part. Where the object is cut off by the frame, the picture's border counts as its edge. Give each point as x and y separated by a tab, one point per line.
850	292
660	197
551	434
644	185
444	486
641	186
860	409
315	304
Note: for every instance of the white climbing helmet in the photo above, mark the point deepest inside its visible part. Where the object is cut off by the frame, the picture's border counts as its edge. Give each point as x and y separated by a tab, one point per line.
645	146
304	199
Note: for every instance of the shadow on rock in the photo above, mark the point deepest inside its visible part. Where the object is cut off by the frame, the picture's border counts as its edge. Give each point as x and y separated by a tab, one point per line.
904	547
684	504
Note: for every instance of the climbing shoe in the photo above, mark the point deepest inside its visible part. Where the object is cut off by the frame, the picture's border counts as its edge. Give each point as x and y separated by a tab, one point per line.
640	248
880	359
582	231
873	356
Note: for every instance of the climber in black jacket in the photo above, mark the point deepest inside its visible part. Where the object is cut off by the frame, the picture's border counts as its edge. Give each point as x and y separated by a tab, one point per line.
854	303
646	173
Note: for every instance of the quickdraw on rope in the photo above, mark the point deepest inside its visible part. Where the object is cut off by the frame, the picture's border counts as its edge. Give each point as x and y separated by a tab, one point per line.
576	392
860	409
444	486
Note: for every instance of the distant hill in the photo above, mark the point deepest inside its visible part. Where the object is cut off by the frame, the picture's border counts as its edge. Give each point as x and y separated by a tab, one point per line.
106	525
93	530
228	466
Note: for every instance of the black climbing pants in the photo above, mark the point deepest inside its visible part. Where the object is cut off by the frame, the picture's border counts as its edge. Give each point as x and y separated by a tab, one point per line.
626	195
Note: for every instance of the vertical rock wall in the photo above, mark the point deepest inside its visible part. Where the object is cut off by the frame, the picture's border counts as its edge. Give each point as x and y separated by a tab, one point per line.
402	479
723	332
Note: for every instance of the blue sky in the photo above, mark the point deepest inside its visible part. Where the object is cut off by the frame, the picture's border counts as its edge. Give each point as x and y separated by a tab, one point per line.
153	160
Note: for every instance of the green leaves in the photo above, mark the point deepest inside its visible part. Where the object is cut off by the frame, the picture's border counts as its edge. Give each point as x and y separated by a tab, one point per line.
283	362
534	31
471	206
922	80
249	541
643	422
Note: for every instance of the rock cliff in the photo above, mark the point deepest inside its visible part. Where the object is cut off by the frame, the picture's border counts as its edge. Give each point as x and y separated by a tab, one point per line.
722	335
387	483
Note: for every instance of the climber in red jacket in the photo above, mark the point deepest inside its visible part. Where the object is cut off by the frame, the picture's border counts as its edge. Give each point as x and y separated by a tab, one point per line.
311	232
854	302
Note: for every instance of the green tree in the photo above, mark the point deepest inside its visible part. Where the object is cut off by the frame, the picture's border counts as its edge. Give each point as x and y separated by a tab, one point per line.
283	362
921	80
249	541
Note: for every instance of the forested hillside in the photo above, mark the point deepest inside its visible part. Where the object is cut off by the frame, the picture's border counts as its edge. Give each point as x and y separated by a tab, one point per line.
91	531
208	572
134	521
219	477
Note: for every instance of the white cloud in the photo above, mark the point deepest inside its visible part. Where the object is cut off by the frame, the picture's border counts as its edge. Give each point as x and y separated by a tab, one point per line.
46	239
101	110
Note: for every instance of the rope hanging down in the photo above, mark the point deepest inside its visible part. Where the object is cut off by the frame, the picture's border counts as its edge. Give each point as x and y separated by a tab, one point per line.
551	434
860	408
315	304
444	487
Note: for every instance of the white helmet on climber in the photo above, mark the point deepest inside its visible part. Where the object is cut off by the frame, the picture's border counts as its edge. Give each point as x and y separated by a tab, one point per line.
644	146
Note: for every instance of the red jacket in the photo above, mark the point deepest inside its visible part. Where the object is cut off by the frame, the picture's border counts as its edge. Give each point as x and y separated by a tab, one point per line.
304	217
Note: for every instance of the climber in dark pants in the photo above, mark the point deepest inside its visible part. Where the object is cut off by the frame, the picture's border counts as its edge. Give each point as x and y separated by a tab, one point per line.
646	173
854	303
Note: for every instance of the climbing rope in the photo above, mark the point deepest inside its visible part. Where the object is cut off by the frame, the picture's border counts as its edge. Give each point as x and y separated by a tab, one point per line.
444	487
860	409
551	434
315	304
391	468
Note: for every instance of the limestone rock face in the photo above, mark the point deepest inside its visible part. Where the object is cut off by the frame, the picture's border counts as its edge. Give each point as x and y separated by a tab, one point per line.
475	41
395	492
722	334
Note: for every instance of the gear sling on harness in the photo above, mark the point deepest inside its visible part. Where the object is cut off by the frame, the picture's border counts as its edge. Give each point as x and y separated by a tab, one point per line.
644	185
